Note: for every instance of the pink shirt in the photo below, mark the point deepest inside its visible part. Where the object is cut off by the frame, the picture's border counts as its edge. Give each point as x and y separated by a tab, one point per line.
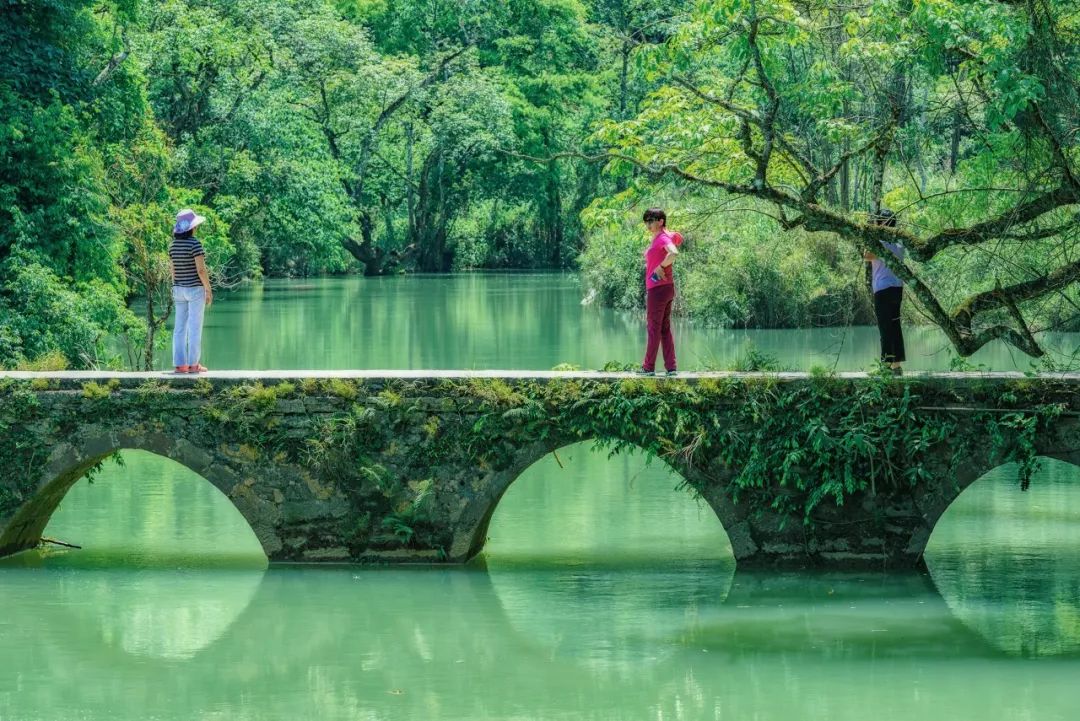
654	255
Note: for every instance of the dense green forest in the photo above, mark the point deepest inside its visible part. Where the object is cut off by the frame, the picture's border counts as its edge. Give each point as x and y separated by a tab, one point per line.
386	136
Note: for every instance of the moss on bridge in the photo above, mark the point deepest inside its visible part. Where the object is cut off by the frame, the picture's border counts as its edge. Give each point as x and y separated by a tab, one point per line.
382	468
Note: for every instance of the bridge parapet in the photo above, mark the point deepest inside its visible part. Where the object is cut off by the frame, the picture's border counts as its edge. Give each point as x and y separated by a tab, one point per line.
802	469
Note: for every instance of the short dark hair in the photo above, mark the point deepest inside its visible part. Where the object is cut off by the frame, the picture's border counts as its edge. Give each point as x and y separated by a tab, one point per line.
884	217
655	214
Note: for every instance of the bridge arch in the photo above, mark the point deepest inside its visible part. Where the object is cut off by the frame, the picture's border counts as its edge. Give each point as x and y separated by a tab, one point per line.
414	479
1061	445
472	528
70	461
977	478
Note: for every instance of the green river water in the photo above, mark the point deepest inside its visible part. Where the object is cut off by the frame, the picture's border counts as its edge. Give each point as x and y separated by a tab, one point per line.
603	593
528	321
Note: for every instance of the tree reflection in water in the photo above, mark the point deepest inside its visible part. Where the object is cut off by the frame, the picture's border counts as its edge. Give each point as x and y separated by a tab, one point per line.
1008	562
577	529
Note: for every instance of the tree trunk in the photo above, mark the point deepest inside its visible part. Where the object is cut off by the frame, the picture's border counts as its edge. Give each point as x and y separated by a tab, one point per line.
388	221
410	195
151	330
427	237
555	215
845	183
623	73
954	147
373	258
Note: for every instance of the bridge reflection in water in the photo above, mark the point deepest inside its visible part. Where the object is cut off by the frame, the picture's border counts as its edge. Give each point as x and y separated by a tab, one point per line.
591	631
1008	563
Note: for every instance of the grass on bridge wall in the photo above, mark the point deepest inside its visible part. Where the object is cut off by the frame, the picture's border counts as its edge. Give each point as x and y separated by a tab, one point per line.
780	446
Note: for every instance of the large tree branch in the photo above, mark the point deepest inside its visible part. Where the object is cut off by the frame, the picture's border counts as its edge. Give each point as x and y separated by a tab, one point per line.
1025	341
395	105
1058	279
997	226
116	60
1071	224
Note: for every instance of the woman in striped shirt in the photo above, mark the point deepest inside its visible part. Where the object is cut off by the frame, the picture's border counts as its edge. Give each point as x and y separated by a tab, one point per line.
191	291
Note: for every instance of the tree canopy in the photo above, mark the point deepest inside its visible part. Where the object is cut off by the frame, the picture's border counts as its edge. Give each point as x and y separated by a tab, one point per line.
960	116
382	136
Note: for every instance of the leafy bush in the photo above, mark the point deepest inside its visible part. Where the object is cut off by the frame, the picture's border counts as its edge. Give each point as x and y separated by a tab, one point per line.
45	315
739	271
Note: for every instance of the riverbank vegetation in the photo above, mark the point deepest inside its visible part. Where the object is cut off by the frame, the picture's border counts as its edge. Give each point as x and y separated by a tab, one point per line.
735	269
385	136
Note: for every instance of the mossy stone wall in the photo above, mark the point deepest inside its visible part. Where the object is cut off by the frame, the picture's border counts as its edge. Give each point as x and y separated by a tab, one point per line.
802	470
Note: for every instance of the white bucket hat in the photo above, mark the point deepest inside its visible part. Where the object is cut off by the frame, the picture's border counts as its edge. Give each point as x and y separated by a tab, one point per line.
187	219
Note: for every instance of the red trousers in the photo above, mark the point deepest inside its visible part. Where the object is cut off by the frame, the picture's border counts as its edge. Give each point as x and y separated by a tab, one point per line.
658	302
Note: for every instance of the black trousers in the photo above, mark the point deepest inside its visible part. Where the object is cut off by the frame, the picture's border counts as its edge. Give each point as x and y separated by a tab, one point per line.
887	309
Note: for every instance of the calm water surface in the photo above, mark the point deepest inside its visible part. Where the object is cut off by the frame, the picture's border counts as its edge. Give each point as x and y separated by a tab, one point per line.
510	321
604	592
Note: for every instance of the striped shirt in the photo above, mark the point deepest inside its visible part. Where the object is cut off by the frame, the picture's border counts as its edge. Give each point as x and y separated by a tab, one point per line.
183	252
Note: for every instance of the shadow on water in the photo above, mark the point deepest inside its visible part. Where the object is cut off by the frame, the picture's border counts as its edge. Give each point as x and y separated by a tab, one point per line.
835	616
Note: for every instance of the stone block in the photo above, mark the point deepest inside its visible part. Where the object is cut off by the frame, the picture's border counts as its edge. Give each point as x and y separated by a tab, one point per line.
334	553
305	511
190	455
292	406
97	442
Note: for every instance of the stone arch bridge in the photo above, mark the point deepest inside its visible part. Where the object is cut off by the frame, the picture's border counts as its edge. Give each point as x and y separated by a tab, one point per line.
846	470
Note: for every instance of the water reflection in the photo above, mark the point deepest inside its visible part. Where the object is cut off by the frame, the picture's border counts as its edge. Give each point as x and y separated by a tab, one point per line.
578	529
1008	562
162	614
167	563
636	613
443	644
608	618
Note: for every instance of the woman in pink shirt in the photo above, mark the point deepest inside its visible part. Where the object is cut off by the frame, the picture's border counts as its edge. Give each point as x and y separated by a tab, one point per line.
659	290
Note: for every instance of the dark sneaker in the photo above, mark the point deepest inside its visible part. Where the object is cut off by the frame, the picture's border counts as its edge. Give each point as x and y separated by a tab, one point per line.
644	372
672	372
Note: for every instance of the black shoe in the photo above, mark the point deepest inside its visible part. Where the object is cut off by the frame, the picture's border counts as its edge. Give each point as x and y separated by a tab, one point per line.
644	372
672	372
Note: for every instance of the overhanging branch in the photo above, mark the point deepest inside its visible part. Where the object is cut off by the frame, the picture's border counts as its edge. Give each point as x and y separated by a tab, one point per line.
1059	279
957	326
998	225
